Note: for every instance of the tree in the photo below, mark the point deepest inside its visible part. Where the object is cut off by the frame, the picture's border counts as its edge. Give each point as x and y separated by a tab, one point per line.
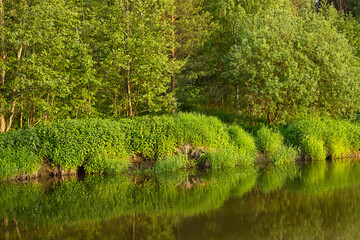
192	28
45	64
288	65
228	16
132	49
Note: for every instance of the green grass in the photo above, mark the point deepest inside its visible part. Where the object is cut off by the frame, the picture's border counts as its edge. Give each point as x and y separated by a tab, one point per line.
230	116
321	139
271	143
101	146
173	163
18	161
107	146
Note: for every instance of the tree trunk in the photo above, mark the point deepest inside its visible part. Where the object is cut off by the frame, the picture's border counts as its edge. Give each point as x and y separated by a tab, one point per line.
11	117
2	123
173	49
13	103
128	88
21	110
3	58
2	41
269	119
127	70
237	97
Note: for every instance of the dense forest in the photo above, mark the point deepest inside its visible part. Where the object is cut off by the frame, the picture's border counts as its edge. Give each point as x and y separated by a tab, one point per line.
274	60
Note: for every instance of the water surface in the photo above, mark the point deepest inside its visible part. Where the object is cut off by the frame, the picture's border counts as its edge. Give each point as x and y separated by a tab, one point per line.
319	201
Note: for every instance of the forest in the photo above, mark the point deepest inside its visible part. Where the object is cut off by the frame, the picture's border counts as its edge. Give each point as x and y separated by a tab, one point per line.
265	61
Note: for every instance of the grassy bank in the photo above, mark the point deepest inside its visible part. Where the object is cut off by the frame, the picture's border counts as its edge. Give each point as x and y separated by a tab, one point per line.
322	139
167	142
272	145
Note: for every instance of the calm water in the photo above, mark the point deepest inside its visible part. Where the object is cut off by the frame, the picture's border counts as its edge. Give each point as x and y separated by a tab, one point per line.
319	201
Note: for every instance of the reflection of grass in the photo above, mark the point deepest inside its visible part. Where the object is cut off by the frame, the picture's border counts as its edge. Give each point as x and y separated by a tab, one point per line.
14	198
320	177
171	195
276	176
301	216
247	181
97	197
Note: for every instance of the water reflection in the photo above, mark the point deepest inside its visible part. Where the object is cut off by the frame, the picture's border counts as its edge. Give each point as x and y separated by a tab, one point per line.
274	177
320	201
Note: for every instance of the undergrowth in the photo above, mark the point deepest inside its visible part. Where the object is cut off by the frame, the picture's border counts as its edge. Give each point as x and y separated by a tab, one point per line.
271	143
100	146
107	146
321	139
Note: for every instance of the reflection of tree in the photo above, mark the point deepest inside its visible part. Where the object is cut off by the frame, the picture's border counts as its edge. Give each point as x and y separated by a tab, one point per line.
286	214
96	199
321	201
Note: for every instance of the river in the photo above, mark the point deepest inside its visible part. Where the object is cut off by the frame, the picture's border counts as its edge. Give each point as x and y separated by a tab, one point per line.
316	201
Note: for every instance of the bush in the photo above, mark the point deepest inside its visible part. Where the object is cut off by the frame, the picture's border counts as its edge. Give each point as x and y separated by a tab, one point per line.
321	139
173	163
271	143
108	146
18	161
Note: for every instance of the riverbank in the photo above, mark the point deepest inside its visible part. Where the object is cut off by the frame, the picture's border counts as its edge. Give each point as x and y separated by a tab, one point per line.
164	143
167	143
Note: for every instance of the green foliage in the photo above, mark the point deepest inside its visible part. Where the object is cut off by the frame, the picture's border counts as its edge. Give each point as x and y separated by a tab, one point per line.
19	161
92	144
275	177
95	204
244	143
46	67
98	198
268	141
240	118
319	139
240	151
226	156
263	60
284	154
271	143
350	27
288	66
134	67
172	163
107	159
107	146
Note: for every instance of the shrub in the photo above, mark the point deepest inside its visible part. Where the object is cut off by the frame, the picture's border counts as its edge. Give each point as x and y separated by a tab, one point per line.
271	143
107	146
268	141
173	163
284	154
18	161
244	142
319	139
225	157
